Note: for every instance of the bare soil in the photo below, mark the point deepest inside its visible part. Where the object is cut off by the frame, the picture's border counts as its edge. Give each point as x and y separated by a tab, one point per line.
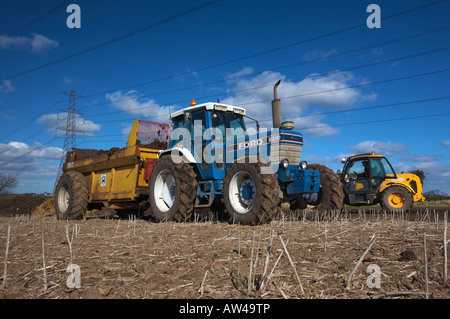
135	258
21	204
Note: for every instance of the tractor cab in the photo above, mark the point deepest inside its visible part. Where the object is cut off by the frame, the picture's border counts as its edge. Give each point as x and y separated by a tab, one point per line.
201	131
362	176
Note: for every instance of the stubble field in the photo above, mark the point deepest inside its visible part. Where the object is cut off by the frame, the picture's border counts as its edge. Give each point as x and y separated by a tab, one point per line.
358	255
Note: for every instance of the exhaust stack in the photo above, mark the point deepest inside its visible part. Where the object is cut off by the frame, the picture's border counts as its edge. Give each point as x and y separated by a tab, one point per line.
276	107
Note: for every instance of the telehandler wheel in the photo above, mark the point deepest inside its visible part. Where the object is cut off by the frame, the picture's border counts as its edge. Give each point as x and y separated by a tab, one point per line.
71	196
331	194
396	198
172	190
250	196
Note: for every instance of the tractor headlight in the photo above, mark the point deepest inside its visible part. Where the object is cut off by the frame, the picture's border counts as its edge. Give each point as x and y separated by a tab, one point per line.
285	163
303	164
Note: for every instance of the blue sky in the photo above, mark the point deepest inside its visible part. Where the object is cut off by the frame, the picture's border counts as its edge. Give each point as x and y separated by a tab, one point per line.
349	88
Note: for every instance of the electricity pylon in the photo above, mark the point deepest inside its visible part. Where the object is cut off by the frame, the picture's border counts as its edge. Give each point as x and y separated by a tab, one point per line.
70	129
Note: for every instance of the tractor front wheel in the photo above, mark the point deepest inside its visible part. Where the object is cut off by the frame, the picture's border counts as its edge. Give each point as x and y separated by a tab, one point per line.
251	197
172	190
396	198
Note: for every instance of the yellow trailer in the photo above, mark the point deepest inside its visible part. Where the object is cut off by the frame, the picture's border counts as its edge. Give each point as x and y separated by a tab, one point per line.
116	178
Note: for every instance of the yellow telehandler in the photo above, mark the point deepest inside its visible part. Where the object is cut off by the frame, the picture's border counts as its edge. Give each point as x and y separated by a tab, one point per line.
370	179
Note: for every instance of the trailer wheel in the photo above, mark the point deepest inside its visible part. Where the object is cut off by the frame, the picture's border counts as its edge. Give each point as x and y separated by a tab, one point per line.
250	198
172	190
331	194
396	198
71	196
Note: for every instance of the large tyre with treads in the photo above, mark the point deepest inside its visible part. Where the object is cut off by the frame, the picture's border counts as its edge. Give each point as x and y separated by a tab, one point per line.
396	198
331	194
71	196
251	197
172	190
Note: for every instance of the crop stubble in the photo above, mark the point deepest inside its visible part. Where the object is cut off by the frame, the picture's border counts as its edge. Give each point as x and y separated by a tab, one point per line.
135	258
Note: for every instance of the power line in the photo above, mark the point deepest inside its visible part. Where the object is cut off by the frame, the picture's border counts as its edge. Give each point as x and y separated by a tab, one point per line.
308	93
297	43
285	66
34	21
29	152
297	64
325	125
229	92
433	99
27	123
378	121
368	107
356	86
119	38
219	64
304	62
301	128
35	133
330	90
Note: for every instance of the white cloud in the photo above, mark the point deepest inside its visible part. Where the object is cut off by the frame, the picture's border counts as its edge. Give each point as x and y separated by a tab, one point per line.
330	91
53	121
383	148
419	158
436	174
12	150
241	73
131	104
13	42
37	43
68	81
6	114
41	44
6	86
33	164
377	51
446	143
312	55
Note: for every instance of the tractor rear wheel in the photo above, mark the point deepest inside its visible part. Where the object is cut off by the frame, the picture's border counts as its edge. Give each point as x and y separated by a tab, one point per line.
71	196
396	198
172	190
250	197
331	194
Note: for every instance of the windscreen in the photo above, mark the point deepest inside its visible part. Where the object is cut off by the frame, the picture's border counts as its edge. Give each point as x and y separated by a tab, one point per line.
224	120
153	135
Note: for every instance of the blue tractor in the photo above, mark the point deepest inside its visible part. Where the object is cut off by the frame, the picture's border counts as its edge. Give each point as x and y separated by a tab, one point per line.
215	160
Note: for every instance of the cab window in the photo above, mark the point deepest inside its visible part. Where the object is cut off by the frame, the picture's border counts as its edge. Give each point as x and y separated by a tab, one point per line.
224	120
358	169
381	168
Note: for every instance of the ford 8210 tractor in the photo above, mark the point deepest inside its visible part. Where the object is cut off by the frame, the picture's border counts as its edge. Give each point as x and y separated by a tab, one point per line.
212	160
